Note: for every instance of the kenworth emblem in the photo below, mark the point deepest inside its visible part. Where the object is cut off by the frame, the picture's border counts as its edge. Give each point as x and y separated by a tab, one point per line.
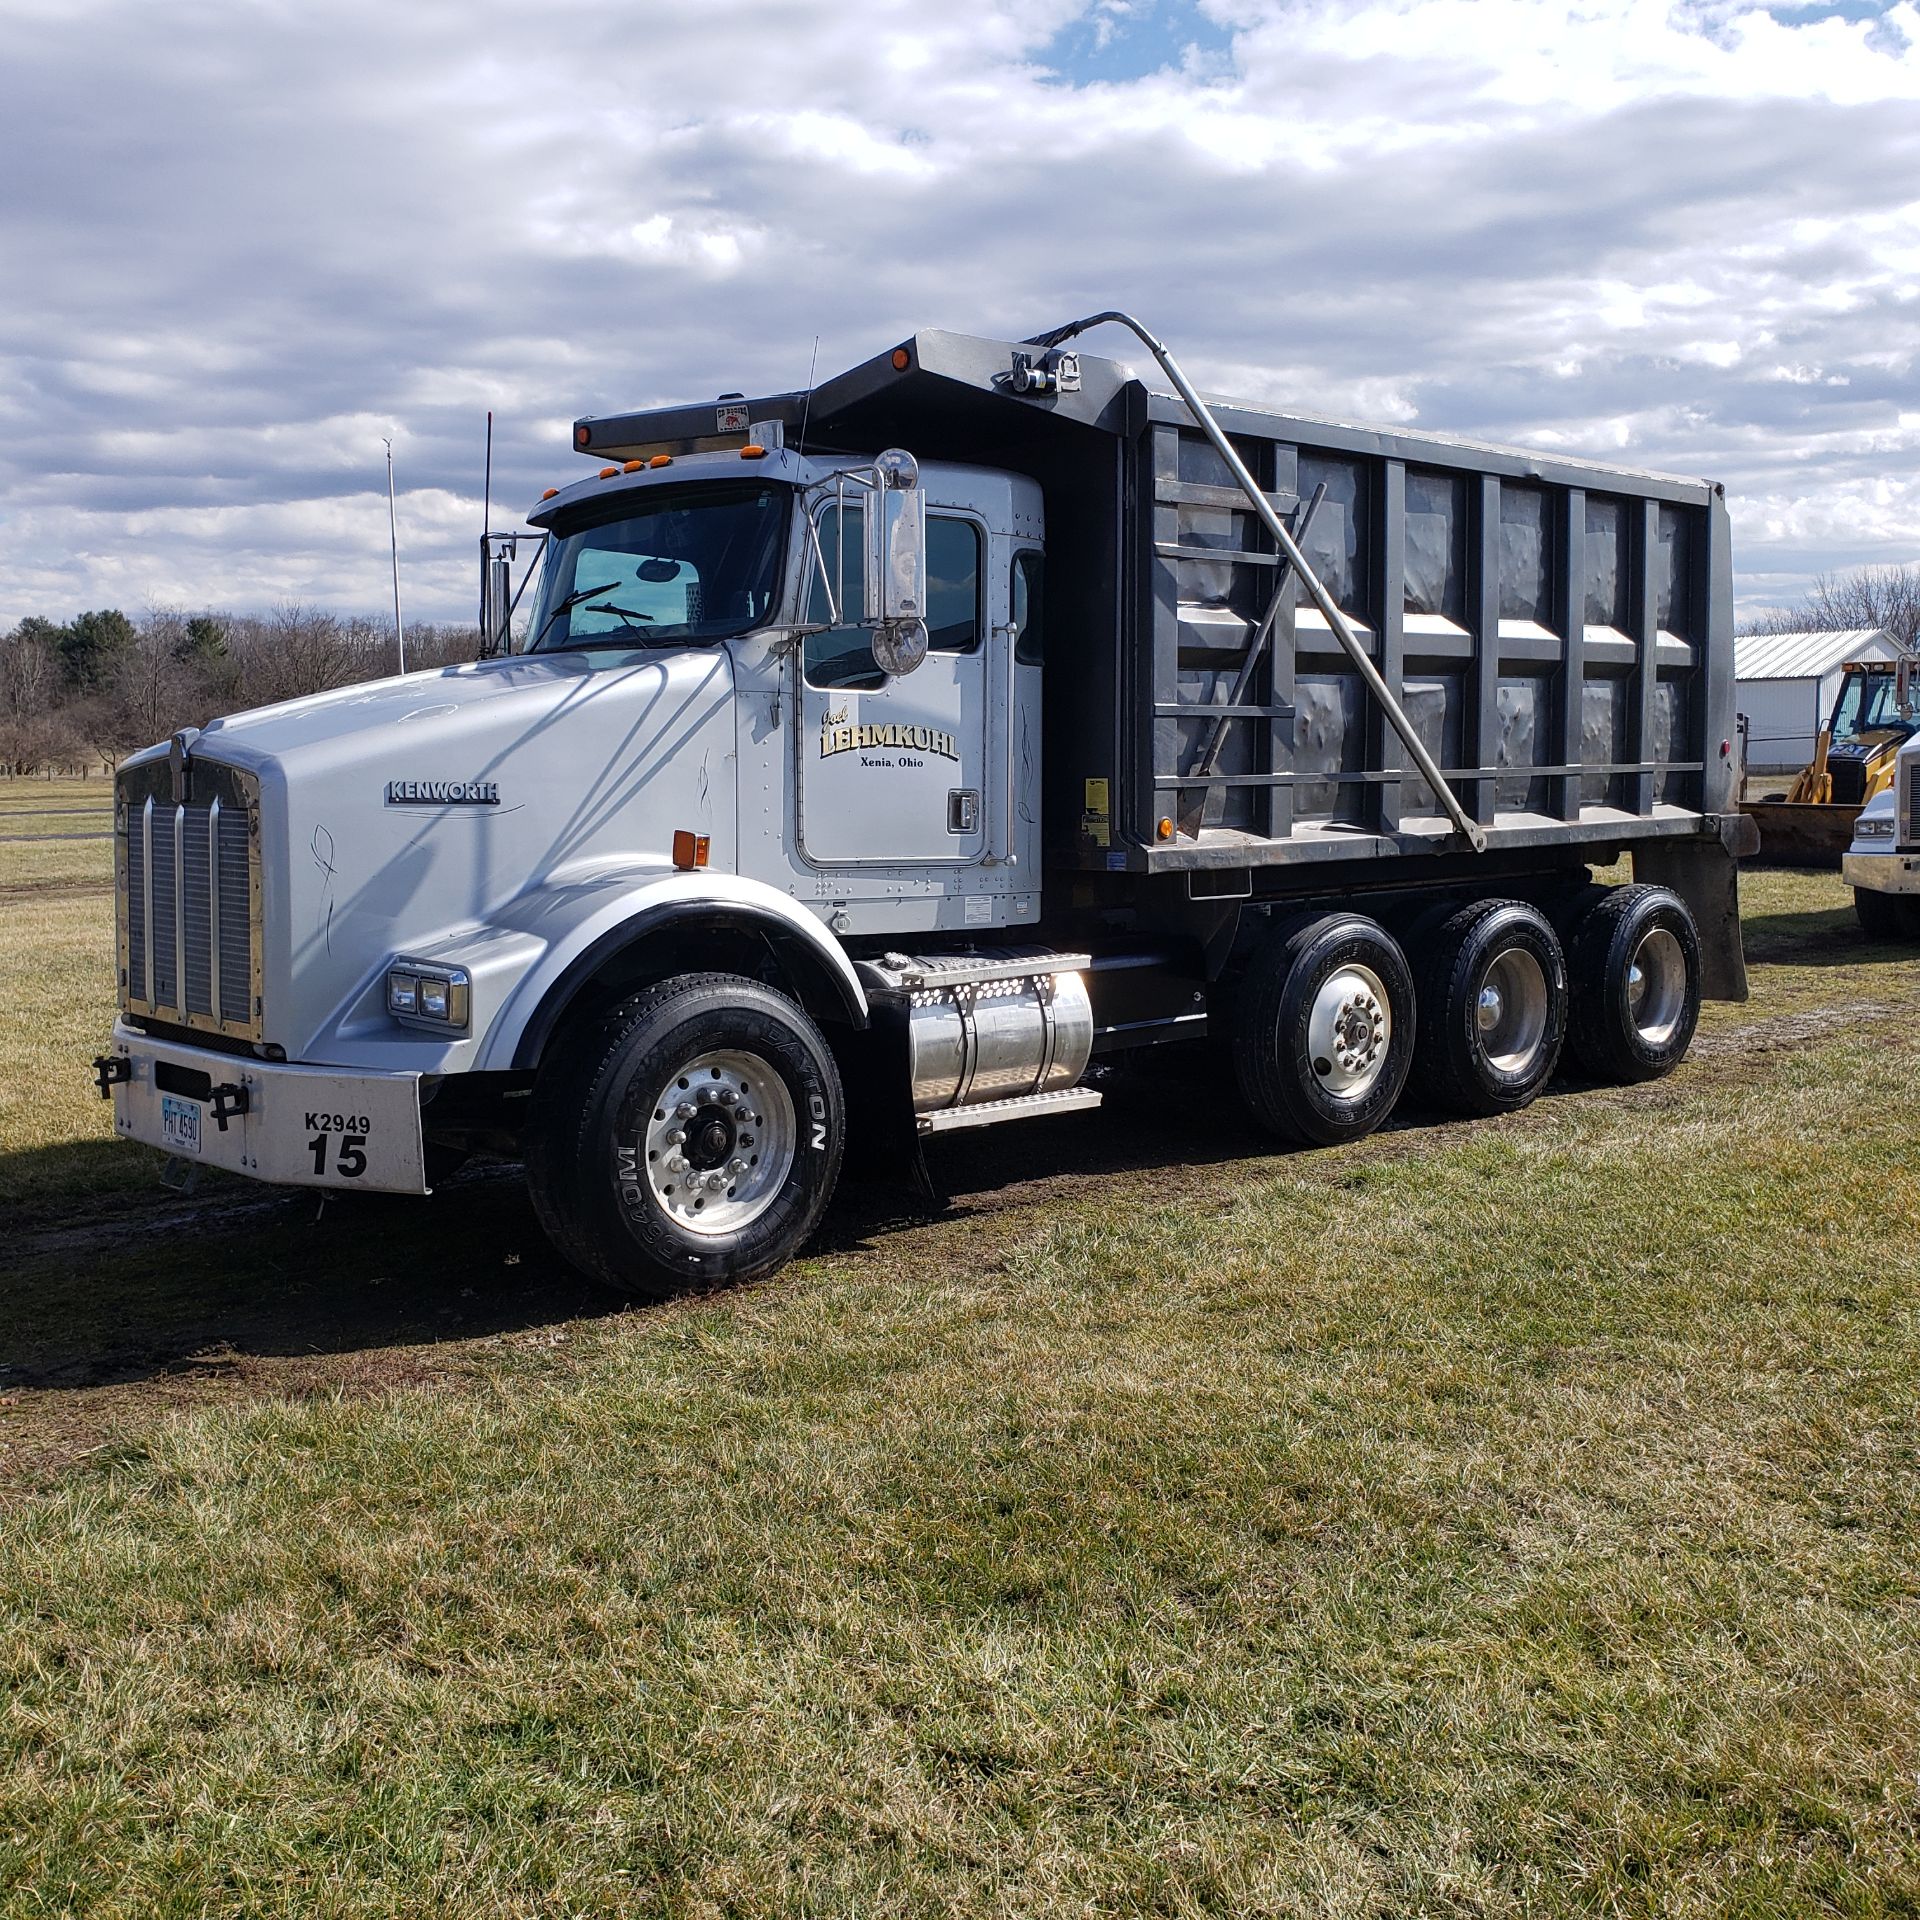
443	793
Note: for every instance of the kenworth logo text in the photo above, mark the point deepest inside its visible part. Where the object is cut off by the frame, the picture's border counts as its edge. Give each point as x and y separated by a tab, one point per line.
443	793
904	739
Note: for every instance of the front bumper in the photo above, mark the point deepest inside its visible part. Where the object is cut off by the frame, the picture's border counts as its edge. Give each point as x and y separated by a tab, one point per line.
1887	872
292	1126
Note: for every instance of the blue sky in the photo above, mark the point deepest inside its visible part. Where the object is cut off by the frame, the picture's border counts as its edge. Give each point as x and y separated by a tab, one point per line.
245	245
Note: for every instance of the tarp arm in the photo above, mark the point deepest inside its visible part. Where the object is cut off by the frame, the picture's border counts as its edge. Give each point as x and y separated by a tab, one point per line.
1467	826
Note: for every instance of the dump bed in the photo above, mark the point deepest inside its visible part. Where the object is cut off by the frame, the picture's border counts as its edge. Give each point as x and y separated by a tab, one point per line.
1559	632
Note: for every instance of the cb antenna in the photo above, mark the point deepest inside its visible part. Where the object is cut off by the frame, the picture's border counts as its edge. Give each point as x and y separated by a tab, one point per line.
393	541
806	411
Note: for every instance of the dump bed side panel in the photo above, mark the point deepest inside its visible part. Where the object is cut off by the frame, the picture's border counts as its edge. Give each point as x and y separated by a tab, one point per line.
1559	635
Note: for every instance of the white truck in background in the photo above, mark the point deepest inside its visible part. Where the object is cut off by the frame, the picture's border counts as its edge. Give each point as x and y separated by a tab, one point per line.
1882	865
878	758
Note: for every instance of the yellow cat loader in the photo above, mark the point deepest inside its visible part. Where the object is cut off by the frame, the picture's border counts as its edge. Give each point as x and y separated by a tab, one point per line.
1875	713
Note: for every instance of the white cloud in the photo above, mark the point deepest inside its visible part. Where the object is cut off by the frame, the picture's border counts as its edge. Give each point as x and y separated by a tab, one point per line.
244	246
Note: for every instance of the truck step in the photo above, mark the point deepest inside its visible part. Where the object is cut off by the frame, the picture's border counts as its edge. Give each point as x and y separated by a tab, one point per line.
898	976
991	1112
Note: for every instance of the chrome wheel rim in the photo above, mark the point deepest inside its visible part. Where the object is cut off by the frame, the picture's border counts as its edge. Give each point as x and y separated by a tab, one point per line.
1511	1013
1349	1031
1656	987
720	1141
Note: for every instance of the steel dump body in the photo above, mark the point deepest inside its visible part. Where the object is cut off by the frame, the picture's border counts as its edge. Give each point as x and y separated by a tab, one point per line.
1559	632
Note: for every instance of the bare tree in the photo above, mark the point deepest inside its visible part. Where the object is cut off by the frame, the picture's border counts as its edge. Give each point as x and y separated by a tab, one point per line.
1886	597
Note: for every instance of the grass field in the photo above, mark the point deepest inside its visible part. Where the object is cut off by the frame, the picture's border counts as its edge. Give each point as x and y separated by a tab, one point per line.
1516	1518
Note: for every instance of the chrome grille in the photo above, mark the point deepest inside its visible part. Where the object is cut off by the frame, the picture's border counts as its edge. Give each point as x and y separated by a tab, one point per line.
1910	773
187	880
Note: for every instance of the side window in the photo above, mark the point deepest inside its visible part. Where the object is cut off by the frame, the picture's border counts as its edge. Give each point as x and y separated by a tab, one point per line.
953	585
1029	607
841	656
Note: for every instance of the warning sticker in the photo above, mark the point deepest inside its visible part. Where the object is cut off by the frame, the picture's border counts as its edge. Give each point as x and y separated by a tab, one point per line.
1096	820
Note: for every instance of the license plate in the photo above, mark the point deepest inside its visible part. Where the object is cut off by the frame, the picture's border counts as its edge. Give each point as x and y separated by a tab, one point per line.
179	1124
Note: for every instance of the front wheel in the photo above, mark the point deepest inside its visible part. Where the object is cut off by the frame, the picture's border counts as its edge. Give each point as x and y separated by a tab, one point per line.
1324	1028
693	1134
1886	916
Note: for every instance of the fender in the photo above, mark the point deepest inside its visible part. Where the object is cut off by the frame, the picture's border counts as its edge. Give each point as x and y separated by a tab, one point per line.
603	918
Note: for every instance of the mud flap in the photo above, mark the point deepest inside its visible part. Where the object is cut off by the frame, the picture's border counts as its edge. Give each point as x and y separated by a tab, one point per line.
1705	873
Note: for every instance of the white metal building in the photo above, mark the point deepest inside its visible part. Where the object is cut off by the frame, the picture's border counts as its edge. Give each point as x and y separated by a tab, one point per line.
1786	683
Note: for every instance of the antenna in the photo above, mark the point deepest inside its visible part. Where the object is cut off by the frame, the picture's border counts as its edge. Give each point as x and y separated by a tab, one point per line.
807	410
393	540
486	494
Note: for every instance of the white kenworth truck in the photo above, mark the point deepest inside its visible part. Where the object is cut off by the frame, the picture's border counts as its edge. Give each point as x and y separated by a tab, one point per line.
886	756
1882	866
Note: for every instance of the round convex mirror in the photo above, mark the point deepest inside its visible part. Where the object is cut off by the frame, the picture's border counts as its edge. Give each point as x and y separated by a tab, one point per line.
899	648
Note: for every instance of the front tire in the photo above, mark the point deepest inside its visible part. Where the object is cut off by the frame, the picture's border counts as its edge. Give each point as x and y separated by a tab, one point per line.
1635	969
1323	1029
1886	916
692	1135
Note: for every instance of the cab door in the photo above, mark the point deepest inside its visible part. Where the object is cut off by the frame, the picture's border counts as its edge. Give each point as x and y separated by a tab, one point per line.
893	772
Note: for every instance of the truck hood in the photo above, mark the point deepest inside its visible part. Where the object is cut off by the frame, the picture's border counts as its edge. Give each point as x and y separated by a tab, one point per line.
395	814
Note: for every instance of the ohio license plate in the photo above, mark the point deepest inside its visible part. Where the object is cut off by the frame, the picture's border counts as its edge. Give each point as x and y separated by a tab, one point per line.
179	1124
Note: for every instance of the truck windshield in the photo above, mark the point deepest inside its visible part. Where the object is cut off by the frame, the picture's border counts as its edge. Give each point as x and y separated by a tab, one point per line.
665	567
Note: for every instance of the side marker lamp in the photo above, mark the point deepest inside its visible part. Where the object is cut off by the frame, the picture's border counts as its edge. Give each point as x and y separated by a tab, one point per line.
689	850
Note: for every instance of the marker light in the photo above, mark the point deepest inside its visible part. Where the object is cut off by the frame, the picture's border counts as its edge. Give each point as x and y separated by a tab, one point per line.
752	452
550	492
607	473
902	359
661	460
582	434
689	849
633	466
1166	828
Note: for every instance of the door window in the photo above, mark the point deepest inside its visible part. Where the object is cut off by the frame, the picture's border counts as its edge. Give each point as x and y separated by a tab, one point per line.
843	656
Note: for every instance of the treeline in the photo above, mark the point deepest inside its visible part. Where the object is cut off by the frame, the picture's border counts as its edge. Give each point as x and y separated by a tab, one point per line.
1885	597
79	696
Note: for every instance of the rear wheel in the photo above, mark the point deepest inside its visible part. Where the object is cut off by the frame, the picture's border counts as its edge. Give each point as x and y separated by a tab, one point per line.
1635	970
1886	916
694	1133
1324	1028
1493	1008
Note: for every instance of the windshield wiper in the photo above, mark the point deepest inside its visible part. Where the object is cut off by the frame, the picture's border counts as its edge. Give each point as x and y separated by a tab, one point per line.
572	600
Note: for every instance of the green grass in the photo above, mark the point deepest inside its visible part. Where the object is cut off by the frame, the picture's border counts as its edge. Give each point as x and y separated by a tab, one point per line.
1508	1519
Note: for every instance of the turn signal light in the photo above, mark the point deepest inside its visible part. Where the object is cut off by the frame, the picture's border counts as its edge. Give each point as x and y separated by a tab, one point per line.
689	850
661	460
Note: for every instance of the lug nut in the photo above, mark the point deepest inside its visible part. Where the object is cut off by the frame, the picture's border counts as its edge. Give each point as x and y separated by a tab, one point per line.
728	1097
684	1111
676	1162
736	1168
715	1181
676	1136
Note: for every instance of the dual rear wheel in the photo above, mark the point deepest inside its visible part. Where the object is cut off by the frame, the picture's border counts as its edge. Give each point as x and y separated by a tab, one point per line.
1333	1022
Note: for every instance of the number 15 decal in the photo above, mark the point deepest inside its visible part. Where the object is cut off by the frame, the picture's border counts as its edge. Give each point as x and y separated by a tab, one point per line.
349	1161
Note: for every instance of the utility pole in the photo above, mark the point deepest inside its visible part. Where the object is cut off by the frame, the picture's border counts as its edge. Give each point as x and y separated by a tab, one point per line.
393	540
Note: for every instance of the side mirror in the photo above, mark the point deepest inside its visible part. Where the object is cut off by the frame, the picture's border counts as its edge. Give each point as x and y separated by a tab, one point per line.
896	569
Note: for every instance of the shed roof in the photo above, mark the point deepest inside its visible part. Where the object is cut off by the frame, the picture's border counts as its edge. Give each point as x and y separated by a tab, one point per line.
1806	656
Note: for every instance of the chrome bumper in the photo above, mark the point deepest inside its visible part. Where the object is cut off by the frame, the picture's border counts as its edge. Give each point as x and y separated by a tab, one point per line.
1888	872
289	1125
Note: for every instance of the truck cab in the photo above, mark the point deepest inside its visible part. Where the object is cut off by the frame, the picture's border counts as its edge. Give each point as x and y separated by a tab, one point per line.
874	762
1882	865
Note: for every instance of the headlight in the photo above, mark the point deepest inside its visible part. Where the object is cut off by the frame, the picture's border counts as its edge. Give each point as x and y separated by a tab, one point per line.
420	994
1877	829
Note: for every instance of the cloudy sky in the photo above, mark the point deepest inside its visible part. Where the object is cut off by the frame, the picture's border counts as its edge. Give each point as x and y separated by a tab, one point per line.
242	242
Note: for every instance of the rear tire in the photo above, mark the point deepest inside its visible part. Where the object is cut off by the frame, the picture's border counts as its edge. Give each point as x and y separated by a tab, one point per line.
1635	970
1886	916
1493	1009
692	1134
1324	1026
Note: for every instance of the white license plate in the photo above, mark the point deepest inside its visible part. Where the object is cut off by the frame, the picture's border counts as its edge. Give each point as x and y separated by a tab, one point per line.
179	1124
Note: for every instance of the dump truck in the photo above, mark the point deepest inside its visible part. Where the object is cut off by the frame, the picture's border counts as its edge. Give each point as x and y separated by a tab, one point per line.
1875	712
906	755
1882	863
